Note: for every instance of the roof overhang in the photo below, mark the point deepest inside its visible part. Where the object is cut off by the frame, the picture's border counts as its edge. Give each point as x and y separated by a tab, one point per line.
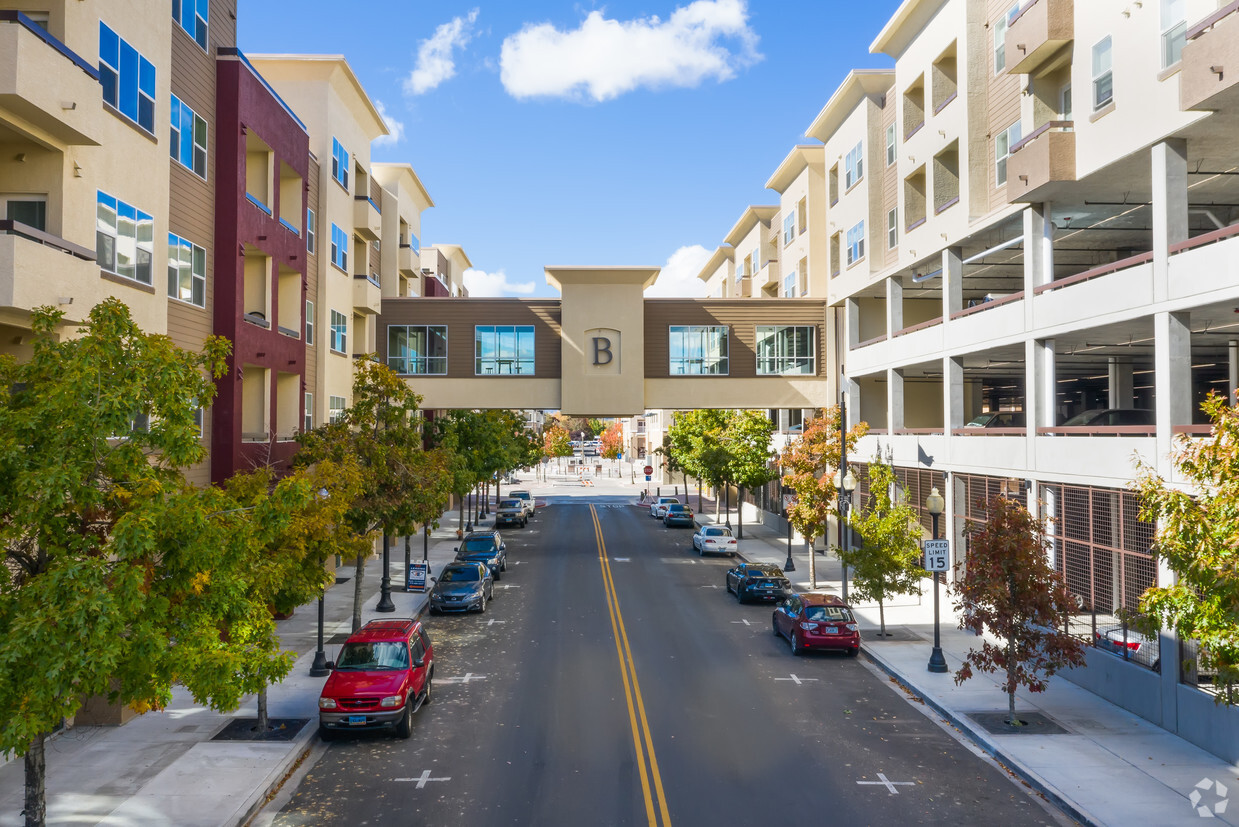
800	158
858	85
903	27
721	254
557	277
749	219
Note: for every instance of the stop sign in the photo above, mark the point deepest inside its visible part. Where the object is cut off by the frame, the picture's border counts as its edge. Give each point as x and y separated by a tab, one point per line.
649	469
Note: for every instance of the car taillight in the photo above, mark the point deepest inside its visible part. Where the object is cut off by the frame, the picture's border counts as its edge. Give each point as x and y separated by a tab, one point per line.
327	703
809	627
852	627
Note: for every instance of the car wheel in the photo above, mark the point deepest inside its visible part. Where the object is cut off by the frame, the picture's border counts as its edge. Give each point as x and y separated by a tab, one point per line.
774	627
504	565
739	593
795	642
404	727
497	577
428	692
853	652
482	605
727	580
325	734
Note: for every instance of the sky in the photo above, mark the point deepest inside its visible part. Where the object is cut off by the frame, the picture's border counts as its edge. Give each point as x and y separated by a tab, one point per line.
554	133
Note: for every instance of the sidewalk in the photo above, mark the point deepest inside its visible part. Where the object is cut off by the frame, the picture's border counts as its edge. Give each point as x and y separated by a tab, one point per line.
1111	768
162	768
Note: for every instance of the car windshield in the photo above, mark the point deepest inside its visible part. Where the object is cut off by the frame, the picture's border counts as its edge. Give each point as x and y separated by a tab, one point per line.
510	504
718	532
980	421
459	574
480	544
374	656
522	495
828	613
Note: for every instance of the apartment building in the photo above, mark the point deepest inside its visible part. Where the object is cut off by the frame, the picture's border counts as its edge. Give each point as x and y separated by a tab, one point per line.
443	271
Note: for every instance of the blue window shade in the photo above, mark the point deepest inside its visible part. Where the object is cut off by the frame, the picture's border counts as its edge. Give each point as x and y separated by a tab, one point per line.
127	78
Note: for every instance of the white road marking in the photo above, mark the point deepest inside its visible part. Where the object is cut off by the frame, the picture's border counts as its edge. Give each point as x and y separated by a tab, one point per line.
507	586
492	622
745	622
622	559
468	676
680	561
883	781
712	586
796	679
423	778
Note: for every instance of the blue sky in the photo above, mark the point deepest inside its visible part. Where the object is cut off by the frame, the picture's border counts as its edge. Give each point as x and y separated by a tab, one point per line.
562	133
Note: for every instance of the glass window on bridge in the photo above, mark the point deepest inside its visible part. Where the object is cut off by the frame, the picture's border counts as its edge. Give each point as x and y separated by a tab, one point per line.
699	350
419	350
785	350
503	349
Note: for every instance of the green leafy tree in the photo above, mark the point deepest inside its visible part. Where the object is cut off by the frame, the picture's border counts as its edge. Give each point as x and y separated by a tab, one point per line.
402	484
809	464
746	439
1196	535
694	443
888	561
118	575
455	436
1009	590
598	427
556	442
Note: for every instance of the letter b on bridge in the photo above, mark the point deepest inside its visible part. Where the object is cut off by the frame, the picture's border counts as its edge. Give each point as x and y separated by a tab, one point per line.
602	351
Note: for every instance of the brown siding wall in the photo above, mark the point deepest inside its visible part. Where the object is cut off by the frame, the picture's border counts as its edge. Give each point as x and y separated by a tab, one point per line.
461	315
741	316
1003	104
376	259
890	185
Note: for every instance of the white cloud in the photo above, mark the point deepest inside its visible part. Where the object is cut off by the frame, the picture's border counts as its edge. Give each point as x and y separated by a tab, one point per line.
434	54
678	278
395	128
605	58
482	283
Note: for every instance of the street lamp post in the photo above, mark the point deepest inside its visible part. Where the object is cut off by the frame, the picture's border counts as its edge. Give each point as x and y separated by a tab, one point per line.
845	485
319	668
790	564
727	503
935	504
385	601
469	522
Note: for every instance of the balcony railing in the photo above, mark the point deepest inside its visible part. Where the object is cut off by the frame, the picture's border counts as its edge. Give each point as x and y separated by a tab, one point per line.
1095	272
46	239
1212	20
11	16
987	305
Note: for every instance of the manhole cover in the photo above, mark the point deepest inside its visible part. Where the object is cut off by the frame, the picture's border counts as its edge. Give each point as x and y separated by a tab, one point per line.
278	729
1035	723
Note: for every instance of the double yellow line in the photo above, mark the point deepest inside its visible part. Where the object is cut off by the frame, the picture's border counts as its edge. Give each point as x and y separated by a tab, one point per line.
632	692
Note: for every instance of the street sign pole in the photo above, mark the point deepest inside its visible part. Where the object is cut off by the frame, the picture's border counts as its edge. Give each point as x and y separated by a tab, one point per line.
937	559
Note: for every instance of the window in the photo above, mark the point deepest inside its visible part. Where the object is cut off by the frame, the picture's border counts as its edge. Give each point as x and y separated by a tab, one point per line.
1064	102
1103	77
789	228
503	349
417	349
25	208
1006	139
783	350
1000	38
744	268
853	166
756	261
698	350
1174	31
339	248
309	323
789	286
339	332
890	145
193	16
335	408
124	239
339	163
189	138
311	236
892	228
186	271
199	417
128	79
307	423
856	243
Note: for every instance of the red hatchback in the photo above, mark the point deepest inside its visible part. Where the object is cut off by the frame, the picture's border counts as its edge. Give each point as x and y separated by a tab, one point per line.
383	676
817	621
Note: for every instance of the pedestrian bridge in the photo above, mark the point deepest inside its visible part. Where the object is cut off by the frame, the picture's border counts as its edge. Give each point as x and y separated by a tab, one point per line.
603	349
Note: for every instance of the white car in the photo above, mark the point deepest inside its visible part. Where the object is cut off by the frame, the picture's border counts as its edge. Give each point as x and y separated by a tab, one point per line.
658	508
714	539
526	500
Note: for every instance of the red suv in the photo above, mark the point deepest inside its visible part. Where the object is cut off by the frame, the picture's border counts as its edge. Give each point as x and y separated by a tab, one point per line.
381	678
817	621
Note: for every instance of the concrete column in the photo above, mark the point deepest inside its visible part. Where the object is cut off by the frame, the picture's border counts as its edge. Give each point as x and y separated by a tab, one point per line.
954	413
1042	385
894	305
1121	383
952	282
852	323
1172	378
1170	658
1232	373
894	399
1038	254
1169	208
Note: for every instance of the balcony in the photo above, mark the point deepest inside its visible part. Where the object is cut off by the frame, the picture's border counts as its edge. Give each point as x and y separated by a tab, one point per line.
1037	33
744	286
366	218
367	295
408	261
68	110
37	268
1045	158
1208	78
768	275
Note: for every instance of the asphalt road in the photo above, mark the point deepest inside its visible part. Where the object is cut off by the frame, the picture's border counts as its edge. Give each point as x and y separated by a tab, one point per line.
614	681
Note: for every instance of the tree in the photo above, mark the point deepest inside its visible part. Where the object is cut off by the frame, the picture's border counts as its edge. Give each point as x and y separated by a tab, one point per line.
694	444
1009	590
888	561
556	442
597	427
746	438
613	441
401	484
1196	537
118	575
809	464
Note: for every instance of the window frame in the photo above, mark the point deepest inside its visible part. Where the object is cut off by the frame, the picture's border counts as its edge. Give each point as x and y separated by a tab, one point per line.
892	228
891	143
855	248
778	361
197	280
340	161
113	78
139	219
339	247
1173	34
335	412
179	142
439	361
1001	158
789	228
34	198
1106	75
201	24
307	413
309	323
311	234
723	360
1000	38
339	332
854	166
518	361
789	286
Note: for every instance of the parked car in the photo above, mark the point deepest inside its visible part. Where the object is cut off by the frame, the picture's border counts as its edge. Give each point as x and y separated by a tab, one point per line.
714	539
1140	648
1106	417
511	512
997	419
658	508
462	587
526	500
382	677
678	514
485	547
816	621
758	581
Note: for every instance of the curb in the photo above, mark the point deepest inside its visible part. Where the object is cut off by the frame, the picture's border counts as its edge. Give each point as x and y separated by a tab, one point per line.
981	739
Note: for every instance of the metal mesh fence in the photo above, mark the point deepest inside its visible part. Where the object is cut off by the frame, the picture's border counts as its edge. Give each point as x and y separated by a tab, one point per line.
1196	671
